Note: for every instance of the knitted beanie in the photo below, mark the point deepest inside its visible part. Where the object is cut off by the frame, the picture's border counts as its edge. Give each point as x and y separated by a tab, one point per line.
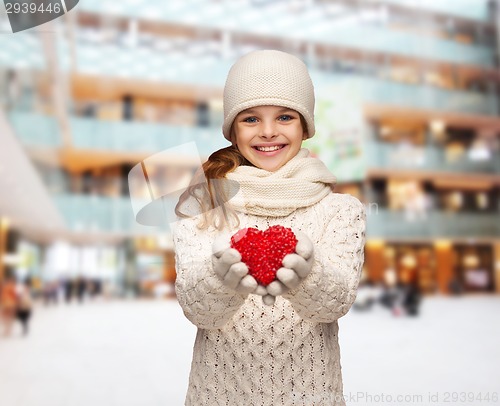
268	77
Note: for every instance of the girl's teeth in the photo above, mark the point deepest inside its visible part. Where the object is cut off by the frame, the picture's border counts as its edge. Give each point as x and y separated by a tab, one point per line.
268	149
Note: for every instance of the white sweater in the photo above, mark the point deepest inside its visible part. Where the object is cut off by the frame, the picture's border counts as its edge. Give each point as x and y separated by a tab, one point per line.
247	353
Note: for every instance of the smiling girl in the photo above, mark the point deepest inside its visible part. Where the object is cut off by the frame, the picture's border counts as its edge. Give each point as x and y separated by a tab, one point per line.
267	150
275	344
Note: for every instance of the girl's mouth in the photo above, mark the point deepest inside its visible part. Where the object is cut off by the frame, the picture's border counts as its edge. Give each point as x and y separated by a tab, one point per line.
270	151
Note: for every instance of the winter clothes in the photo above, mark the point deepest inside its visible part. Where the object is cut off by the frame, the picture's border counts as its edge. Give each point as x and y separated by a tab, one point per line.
247	353
301	182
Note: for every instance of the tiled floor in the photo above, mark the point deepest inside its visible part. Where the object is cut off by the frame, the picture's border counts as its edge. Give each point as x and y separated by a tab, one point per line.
138	353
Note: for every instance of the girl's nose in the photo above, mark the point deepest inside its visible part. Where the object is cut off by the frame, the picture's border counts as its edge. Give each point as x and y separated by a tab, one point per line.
268	129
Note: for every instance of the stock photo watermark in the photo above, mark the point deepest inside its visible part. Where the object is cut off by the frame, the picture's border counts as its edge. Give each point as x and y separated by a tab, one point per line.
462	397
25	14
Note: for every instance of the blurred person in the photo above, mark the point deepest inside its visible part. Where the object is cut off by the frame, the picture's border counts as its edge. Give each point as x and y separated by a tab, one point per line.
259	340
50	292
46	293
368	295
98	288
390	278
107	289
128	107
455	287
8	299
68	287
13	89
412	299
24	304
81	288
411	293
393	292
55	291
94	288
90	288
416	202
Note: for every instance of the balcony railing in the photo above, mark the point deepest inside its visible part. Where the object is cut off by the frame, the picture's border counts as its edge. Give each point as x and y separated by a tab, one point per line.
384	223
470	9
101	214
383	91
142	136
38	130
402	156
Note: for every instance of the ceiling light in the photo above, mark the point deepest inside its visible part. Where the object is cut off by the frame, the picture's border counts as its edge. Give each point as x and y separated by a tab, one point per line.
437	126
385	131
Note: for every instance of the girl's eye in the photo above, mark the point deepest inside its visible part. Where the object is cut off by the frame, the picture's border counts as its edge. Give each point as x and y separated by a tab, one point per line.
249	119
286	117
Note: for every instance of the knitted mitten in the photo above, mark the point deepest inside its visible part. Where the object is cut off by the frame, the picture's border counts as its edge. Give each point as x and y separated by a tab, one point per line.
295	268
228	266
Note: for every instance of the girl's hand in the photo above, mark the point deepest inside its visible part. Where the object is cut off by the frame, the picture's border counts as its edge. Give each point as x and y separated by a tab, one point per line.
295	268
228	266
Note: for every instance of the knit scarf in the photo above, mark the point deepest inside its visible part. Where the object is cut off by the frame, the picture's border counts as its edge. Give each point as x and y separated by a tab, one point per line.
301	182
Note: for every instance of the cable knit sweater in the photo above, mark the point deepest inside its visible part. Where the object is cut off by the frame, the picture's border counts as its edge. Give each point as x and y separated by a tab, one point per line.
247	353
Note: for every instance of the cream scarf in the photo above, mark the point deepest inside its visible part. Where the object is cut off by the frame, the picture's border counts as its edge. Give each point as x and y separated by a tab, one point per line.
301	182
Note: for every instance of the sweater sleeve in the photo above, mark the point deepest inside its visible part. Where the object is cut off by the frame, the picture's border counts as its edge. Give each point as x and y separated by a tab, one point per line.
328	292
205	301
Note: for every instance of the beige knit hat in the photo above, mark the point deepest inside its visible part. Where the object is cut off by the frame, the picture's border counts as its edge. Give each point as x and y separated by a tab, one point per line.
268	77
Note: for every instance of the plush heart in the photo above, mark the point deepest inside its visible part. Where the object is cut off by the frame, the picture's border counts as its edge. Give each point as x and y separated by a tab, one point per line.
263	251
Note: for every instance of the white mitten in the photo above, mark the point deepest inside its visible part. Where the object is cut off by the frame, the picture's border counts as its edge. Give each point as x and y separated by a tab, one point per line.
296	267
228	266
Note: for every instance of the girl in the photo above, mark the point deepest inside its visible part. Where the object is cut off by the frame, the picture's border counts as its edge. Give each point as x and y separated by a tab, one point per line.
274	344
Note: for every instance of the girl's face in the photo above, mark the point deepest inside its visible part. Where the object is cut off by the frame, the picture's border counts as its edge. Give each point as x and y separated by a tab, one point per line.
268	136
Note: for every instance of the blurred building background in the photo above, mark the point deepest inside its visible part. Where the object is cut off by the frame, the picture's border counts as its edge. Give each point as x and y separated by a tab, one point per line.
407	111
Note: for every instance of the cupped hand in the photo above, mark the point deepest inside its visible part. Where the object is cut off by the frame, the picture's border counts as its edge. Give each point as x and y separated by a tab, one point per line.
228	266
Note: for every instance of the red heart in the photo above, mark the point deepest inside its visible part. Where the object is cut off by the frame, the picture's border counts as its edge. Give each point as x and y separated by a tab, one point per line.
263	251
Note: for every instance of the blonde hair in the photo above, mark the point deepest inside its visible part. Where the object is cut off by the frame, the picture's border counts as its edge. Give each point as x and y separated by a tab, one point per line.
210	195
